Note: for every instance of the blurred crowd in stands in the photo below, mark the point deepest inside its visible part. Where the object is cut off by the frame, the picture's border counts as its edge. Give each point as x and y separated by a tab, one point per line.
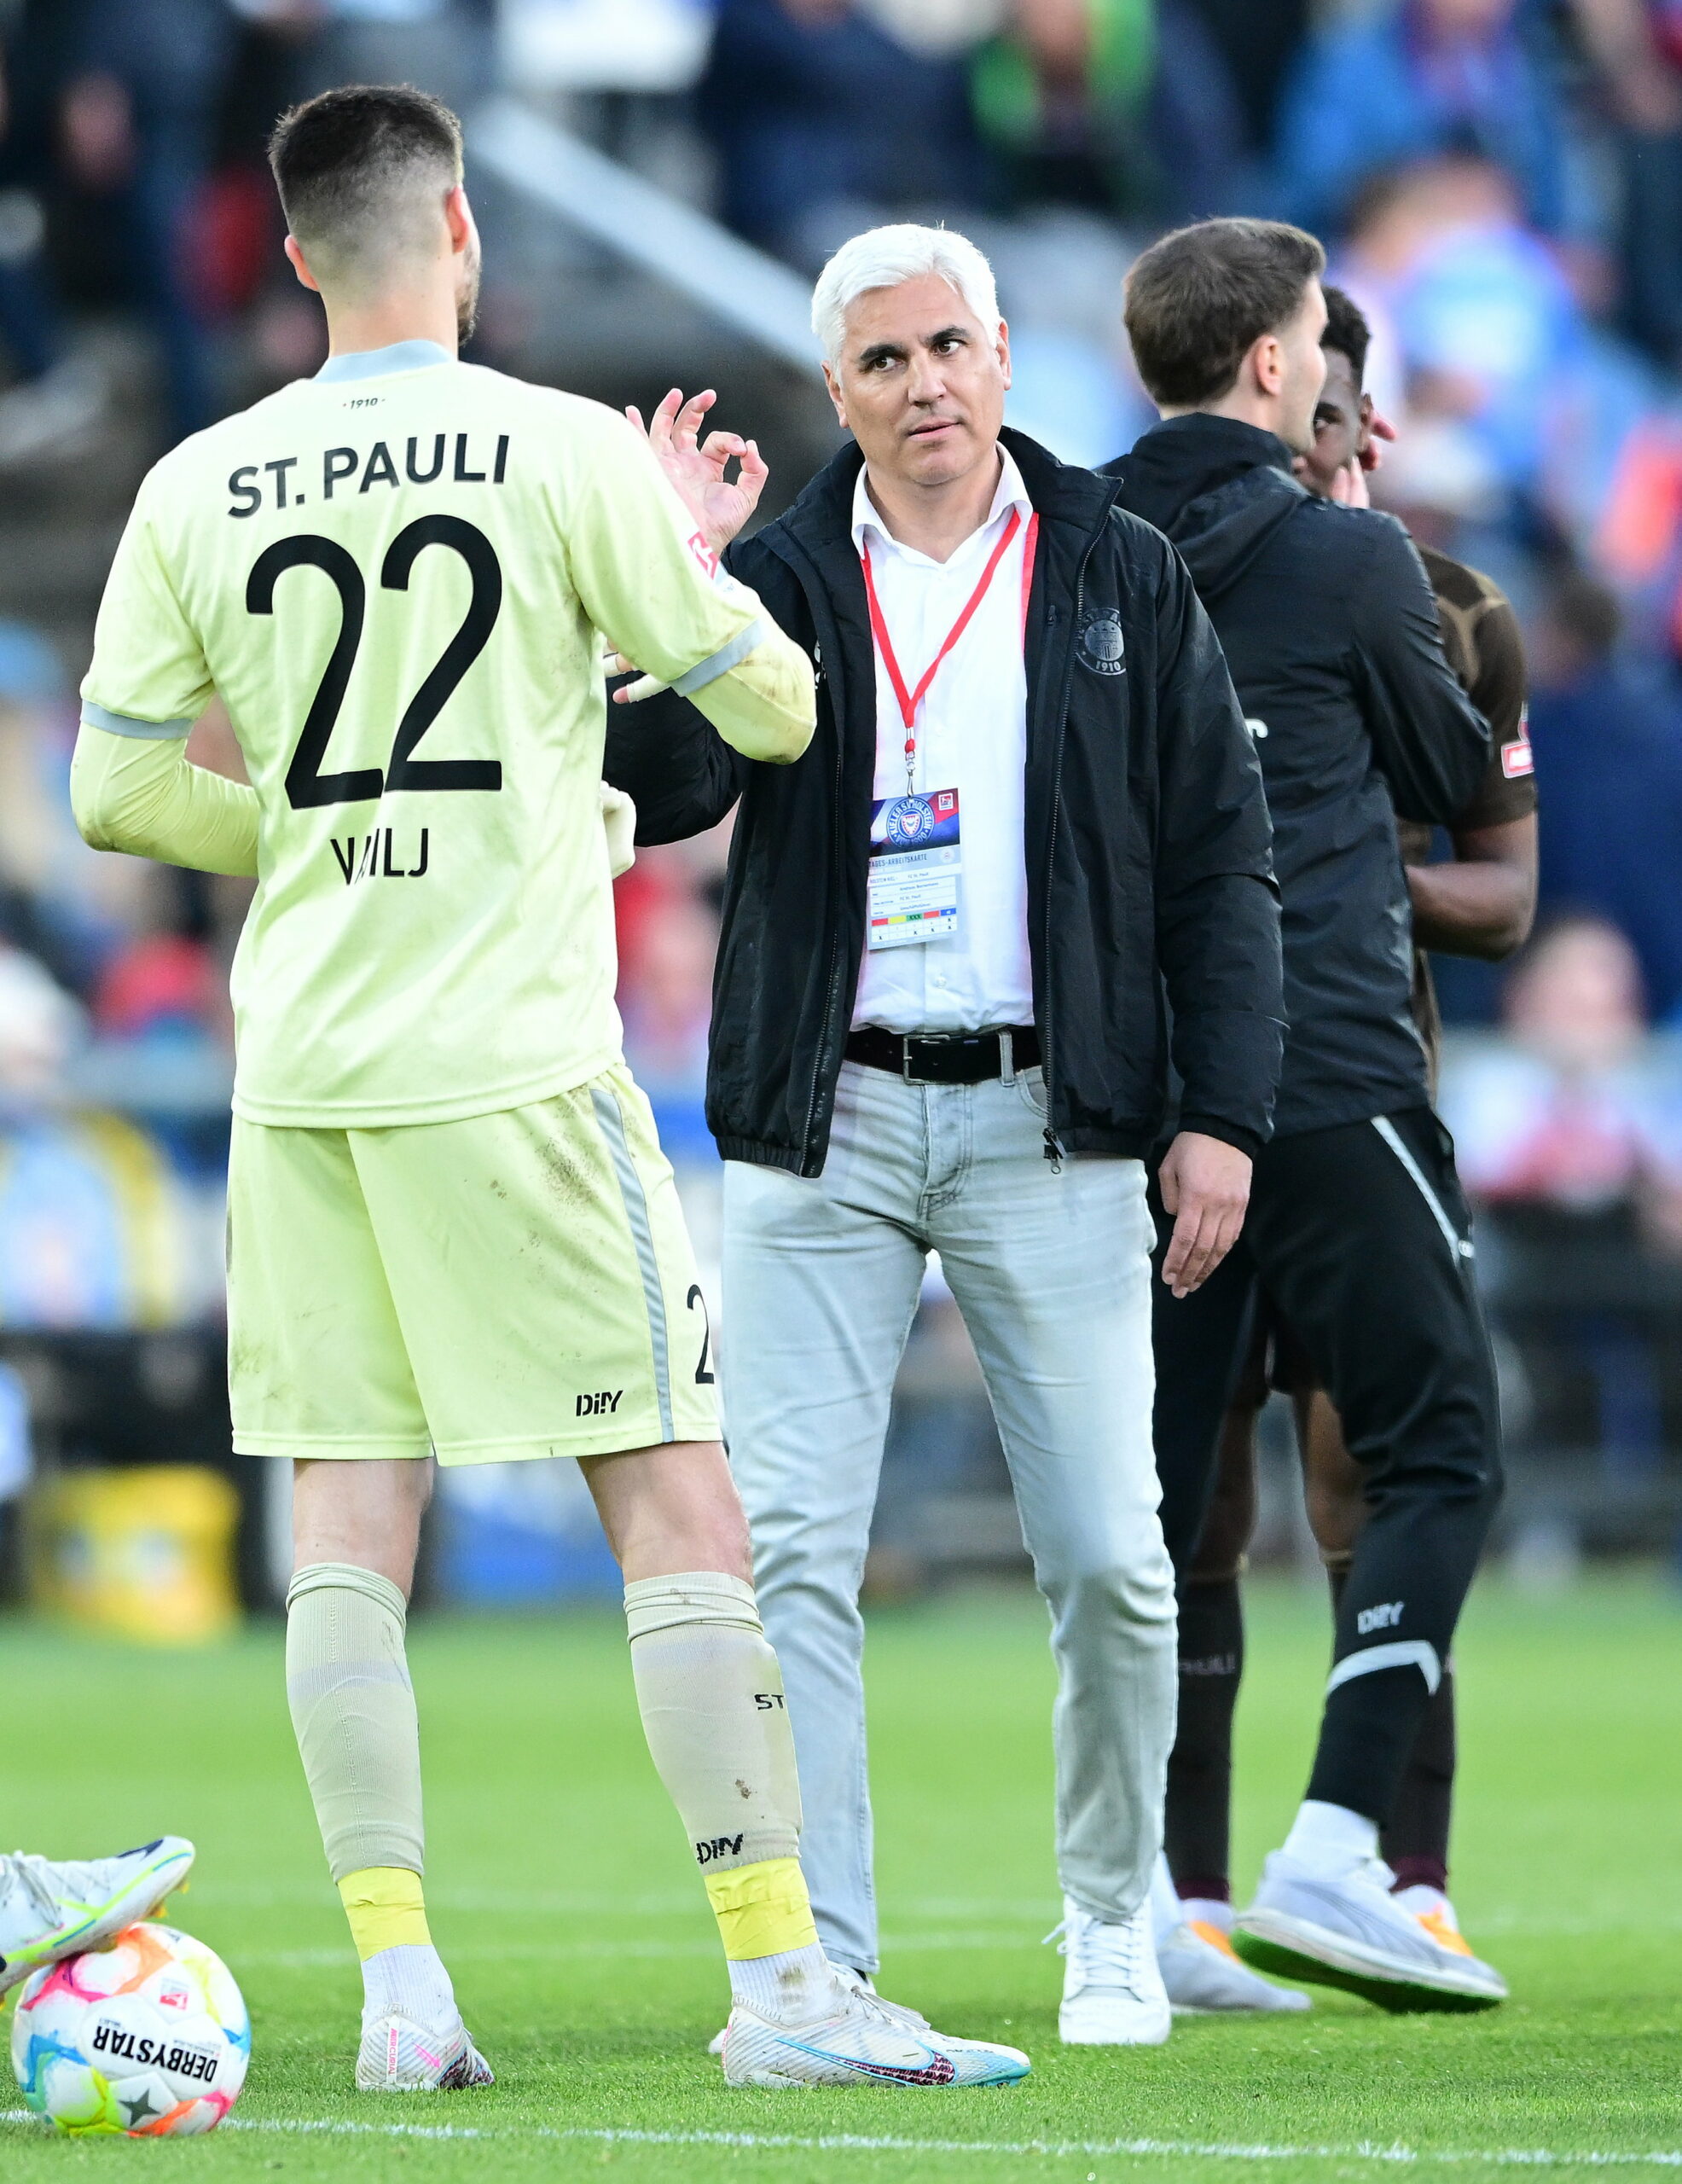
1499	183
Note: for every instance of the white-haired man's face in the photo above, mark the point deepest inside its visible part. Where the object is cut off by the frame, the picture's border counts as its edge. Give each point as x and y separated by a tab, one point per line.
920	382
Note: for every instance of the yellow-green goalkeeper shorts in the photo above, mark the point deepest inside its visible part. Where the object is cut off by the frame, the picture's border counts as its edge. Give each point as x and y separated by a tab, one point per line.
513	1284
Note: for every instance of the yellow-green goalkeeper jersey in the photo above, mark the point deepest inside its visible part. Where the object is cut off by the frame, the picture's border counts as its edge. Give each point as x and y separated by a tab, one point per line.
397	575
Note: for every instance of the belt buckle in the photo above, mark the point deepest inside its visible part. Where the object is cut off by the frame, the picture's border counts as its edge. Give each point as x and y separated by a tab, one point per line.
905	1058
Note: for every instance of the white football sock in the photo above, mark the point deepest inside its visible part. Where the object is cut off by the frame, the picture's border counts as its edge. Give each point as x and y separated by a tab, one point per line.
1167	1911
792	1986
409	1977
1331	1839
711	1698
353	1711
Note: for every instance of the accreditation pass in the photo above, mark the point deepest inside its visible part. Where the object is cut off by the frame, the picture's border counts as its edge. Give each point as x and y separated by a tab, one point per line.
916	862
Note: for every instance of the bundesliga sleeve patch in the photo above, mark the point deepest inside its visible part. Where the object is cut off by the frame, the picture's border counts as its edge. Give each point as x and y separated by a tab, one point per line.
1518	758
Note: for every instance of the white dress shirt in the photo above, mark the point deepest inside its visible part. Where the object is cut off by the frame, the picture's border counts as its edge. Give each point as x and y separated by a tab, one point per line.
972	737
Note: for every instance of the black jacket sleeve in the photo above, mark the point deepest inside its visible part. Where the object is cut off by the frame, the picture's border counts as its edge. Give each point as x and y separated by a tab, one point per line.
1431	743
677	769
672	763
1217	904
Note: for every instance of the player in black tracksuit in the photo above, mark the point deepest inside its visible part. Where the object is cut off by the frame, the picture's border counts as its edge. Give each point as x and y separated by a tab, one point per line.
1357	1232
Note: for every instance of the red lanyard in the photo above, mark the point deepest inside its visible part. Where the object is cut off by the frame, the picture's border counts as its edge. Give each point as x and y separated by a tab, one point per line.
909	700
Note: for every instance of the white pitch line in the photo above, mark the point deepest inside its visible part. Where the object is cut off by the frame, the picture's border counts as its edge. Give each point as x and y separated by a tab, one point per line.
310	1960
1048	2149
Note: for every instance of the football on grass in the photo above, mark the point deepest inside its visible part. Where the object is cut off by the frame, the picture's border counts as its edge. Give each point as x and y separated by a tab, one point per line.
149	2038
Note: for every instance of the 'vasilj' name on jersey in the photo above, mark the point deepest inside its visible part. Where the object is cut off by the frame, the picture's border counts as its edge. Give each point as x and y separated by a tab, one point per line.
398	577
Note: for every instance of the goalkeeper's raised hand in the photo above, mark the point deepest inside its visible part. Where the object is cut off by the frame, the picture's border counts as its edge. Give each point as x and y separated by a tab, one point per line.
696	466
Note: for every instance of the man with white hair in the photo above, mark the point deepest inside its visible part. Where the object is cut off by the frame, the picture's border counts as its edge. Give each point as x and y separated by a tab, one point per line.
1031	804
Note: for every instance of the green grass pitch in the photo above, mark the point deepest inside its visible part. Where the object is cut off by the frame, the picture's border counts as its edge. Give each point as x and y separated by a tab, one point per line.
582	1951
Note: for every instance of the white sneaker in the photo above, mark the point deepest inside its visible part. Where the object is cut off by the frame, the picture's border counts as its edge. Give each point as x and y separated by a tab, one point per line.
398	2055
860	2041
1113	1995
1201	1971
1348	1931
48	1911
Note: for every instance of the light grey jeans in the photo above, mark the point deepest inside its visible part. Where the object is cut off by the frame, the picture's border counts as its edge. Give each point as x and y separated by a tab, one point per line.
1052	1273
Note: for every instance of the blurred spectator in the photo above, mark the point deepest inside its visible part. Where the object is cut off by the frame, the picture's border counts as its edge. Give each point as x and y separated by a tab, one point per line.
60	395
1418	78
1570	1133
1260	47
138	117
1494	343
1636	47
1061	94
59	900
1608	739
1572	1112
444	46
668	1001
94	1230
825	122
1121	106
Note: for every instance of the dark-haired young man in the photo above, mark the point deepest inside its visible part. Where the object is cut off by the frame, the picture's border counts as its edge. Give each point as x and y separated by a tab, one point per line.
452	1233
1357	1232
1480	902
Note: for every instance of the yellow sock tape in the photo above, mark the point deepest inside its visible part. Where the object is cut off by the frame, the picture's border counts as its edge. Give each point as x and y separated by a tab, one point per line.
386	1909
762	1910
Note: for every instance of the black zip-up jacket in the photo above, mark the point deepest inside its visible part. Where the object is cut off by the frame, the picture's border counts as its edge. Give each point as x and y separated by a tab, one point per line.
1146	839
1329	628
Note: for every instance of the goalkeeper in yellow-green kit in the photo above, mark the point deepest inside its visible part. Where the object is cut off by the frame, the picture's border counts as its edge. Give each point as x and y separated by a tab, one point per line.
452	1233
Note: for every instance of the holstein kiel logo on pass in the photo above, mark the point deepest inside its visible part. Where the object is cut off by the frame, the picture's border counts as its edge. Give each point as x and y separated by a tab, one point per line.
909	822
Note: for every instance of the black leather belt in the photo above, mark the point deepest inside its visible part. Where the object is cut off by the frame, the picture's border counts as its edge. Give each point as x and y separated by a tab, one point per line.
969	1058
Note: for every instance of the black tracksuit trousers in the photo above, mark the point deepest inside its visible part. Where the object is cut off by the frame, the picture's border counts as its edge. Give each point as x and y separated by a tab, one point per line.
1361	1237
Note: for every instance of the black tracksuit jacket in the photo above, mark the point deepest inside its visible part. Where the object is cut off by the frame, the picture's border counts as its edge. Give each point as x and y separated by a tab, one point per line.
1146	839
1357	1231
1330	628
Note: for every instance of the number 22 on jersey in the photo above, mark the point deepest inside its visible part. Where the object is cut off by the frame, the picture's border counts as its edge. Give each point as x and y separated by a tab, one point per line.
307	786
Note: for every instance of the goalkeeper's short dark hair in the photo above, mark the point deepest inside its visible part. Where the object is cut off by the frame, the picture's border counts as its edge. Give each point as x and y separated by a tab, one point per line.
360	170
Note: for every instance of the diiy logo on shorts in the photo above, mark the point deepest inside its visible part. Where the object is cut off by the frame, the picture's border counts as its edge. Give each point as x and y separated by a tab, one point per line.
599	1406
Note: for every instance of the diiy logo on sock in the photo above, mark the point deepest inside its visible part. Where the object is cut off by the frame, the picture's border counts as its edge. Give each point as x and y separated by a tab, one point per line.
722	1846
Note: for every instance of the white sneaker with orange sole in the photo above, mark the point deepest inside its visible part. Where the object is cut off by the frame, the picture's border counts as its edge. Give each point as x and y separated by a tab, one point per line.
1203	1972
1347	1930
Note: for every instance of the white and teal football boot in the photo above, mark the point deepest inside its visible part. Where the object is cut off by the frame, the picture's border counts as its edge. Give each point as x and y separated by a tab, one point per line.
51	1910
860	2040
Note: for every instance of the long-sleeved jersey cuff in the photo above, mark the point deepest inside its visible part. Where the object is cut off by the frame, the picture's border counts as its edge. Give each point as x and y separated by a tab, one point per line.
142	795
722	662
150	731
765	705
